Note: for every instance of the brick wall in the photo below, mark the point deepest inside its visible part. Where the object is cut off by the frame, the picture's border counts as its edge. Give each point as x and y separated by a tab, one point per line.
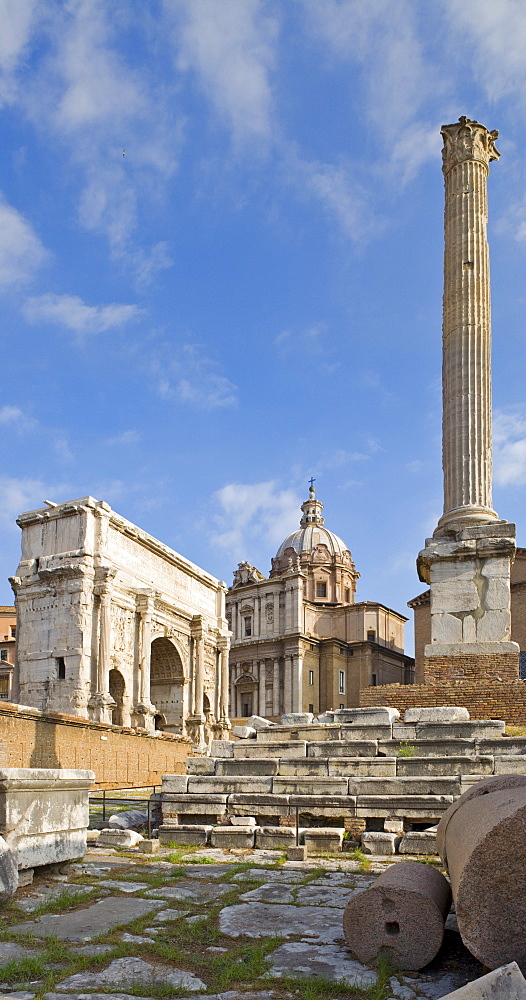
119	757
472	667
484	699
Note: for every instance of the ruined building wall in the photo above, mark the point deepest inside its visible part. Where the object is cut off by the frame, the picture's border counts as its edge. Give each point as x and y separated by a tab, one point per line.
119	758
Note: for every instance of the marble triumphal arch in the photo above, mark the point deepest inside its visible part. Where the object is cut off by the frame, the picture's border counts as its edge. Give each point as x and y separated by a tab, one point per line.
117	627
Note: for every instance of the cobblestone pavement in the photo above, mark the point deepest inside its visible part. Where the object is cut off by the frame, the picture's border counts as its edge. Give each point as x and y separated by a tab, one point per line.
227	925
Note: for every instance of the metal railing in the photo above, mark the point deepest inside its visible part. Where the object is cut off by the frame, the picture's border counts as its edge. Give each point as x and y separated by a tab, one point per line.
127	800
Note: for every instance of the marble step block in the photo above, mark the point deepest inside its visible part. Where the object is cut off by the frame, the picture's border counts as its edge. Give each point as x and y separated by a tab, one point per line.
475	729
305	767
419	842
377	715
310	786
416	807
333	748
288	734
380	843
431	785
330	806
176	834
321	840
504	745
366	732
270	749
415	766
385	767
233	836
248	767
510	764
432	748
272	838
264	807
441	713
200	765
219	785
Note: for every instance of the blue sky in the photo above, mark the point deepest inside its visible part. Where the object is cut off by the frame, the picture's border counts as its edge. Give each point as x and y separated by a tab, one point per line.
251	294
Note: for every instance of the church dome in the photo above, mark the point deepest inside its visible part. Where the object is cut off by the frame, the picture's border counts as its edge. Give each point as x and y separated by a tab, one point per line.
312	532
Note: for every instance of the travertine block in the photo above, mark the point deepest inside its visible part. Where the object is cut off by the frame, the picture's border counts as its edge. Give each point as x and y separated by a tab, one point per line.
334	748
442	713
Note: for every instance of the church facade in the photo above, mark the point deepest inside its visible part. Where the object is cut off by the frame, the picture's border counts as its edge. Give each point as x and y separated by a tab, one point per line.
299	641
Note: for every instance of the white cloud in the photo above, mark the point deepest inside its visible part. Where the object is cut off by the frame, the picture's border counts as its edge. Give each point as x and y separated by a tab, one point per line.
21	252
16	20
252	513
383	38
15	417
20	495
71	312
494	35
126	438
193	378
230	47
509	448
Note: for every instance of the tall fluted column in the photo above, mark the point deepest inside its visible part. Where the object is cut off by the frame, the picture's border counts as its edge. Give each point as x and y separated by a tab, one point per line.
466	375
262	688
467	561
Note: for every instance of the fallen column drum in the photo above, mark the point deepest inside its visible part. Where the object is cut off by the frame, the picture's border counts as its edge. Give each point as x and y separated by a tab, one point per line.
481	839
401	915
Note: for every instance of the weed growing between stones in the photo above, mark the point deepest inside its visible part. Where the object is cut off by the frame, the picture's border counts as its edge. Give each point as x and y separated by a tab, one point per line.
363	861
23	970
406	749
319	988
241	964
65	900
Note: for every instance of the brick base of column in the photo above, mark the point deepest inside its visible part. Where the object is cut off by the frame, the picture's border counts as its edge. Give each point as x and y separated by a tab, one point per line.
471	667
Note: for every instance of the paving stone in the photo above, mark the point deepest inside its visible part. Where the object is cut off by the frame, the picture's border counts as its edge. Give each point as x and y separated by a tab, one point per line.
399	991
18	995
83	925
324	895
189	891
126	886
206	871
281	875
47	894
296	958
136	939
132	970
255	920
93	950
164	916
269	894
9	950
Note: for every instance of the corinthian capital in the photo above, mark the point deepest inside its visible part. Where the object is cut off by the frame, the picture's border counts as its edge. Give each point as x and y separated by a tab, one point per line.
467	140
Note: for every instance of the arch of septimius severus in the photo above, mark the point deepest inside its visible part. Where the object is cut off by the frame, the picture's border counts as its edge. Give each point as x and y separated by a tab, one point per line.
117	627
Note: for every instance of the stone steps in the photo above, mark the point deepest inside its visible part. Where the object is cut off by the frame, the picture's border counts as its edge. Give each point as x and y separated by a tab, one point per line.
341	775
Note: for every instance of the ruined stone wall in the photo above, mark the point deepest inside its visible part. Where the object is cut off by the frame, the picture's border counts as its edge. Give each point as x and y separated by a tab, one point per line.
483	700
119	757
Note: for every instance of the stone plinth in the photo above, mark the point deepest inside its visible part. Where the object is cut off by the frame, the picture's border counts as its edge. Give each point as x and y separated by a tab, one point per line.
44	813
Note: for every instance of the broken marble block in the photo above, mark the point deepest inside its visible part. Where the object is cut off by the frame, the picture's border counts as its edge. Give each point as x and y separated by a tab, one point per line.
297	718
441	713
258	722
504	983
119	838
244	732
379	842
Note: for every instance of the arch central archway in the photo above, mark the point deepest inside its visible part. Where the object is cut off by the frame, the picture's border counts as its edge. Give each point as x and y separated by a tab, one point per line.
166	684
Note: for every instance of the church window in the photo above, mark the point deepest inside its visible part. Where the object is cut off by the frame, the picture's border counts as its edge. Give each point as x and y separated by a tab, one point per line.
347	595
61	668
311	708
3	654
311	677
373	680
13	632
341	684
371	635
321	590
248	626
342	705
